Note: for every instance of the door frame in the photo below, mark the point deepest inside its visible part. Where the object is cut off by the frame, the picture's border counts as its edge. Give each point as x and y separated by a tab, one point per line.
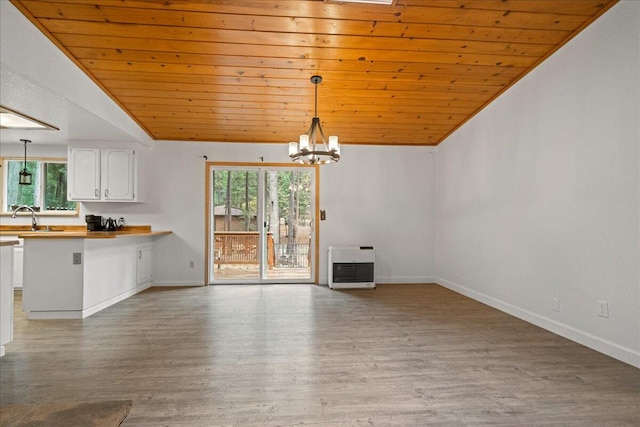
262	165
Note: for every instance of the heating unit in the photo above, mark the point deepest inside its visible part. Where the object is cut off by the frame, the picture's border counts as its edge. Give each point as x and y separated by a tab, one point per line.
351	267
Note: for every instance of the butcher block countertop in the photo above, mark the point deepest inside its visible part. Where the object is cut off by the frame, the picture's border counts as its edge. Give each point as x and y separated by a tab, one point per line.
77	231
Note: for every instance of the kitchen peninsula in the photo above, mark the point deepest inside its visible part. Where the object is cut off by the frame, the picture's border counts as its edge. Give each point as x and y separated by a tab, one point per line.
72	274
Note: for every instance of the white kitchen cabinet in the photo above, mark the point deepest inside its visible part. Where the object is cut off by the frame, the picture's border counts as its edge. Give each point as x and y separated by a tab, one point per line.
83	174
72	278
6	296
145	264
18	256
102	174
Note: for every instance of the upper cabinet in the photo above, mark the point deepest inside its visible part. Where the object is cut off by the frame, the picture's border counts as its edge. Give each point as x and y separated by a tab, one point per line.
102	174
117	172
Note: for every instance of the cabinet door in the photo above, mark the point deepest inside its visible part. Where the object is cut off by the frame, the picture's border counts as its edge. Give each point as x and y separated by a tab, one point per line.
145	264
18	257
6	297
118	171
83	181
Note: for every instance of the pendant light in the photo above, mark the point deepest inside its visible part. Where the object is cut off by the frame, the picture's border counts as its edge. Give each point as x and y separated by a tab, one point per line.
307	152
25	175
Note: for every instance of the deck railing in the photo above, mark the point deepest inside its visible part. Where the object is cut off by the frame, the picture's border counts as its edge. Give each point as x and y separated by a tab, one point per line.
241	247
291	255
236	247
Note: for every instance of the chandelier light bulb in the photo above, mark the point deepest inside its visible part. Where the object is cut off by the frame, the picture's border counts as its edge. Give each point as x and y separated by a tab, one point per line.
304	142
333	143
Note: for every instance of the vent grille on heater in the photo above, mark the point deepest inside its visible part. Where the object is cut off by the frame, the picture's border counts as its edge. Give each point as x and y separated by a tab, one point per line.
351	267
352	272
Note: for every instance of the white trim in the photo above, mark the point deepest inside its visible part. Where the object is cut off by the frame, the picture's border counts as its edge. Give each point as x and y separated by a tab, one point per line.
57	314
601	345
168	283
81	314
408	280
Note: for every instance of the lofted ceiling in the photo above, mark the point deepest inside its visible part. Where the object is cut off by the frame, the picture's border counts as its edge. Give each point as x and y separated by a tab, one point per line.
239	70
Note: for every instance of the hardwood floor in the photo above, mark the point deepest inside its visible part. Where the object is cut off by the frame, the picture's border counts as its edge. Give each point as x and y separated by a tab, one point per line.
303	354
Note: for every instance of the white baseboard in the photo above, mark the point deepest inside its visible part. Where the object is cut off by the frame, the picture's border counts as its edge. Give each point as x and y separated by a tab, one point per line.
171	284
601	345
2	351
404	280
55	315
81	314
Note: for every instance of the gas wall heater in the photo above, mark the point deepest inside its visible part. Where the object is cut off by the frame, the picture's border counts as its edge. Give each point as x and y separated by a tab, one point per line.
351	267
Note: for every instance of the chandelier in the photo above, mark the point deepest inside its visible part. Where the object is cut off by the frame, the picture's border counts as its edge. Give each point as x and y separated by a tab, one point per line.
308	150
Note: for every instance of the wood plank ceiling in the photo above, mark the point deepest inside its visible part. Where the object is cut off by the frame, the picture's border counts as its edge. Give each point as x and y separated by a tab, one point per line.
239	70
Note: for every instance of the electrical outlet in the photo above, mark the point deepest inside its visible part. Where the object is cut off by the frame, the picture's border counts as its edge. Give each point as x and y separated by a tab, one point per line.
555	304
190	264
77	258
603	309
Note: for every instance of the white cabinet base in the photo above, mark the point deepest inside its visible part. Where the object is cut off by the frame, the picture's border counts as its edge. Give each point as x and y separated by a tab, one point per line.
81	314
6	297
72	278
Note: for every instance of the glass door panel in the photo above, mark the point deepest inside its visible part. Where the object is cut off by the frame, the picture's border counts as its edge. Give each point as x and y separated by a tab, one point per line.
261	223
289	224
236	237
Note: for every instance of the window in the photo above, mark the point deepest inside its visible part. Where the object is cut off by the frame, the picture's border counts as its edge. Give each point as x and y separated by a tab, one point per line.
47	193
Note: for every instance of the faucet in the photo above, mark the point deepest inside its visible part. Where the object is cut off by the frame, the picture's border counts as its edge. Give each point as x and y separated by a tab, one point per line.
34	223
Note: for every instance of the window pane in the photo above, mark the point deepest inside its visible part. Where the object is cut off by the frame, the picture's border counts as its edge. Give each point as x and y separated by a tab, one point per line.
22	194
55	188
48	191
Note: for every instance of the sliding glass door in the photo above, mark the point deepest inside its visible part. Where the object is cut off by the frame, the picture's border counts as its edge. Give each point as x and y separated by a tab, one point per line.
261	222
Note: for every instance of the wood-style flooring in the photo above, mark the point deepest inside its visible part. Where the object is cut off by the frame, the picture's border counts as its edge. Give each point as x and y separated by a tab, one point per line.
248	355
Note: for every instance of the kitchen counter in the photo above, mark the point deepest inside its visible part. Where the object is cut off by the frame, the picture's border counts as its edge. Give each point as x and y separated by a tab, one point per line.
72	273
74	232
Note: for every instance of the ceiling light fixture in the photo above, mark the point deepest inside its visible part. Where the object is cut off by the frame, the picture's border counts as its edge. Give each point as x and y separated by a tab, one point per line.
25	176
307	151
11	119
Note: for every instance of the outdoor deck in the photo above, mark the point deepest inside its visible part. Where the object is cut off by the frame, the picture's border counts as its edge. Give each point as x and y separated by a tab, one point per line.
250	272
236	258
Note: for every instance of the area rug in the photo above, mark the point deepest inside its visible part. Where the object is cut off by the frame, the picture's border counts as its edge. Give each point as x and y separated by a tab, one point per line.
66	414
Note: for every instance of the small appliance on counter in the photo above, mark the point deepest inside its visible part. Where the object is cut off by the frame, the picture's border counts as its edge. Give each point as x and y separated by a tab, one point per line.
94	222
97	223
110	225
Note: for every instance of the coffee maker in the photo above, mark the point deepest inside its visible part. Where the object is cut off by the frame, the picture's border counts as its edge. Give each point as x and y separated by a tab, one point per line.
94	222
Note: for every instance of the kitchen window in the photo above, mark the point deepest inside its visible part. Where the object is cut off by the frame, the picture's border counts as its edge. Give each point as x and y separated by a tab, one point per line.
48	192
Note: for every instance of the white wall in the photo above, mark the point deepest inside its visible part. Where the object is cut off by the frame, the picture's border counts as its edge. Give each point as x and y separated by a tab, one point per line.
379	196
383	197
538	195
361	199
